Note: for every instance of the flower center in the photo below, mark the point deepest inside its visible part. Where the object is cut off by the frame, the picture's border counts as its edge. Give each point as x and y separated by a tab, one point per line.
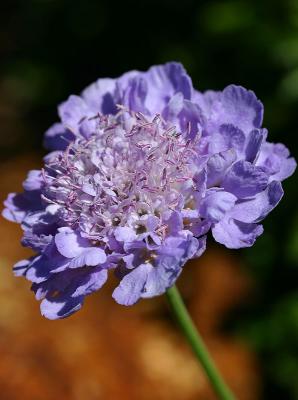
131	167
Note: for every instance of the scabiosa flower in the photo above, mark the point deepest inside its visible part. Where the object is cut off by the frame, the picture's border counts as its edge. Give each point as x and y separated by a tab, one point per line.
140	169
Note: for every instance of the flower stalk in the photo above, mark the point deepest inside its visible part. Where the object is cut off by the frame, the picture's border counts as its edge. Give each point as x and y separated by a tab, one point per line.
197	344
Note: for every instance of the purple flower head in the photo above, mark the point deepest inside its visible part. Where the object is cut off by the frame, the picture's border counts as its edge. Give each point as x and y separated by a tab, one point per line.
140	169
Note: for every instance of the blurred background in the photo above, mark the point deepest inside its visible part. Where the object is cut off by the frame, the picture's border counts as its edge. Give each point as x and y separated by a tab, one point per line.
246	302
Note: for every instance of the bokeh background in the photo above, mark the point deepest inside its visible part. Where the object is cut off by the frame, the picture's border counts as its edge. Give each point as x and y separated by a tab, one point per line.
245	302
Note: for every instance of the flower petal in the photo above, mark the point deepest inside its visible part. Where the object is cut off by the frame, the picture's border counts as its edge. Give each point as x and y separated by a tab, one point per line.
91	256
34	180
233	137
19	205
94	282
244	179
207	101
241	108
163	82
174	107
275	158
124	234
171	257
57	137
253	147
74	114
135	93
255	209
132	285
69	243
20	268
56	310
100	96
64	292
235	234
217	166
216	204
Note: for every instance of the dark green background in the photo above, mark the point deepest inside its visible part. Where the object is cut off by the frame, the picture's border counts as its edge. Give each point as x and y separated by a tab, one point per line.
50	49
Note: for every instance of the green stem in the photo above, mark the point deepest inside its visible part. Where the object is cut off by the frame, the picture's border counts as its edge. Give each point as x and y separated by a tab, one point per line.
197	344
